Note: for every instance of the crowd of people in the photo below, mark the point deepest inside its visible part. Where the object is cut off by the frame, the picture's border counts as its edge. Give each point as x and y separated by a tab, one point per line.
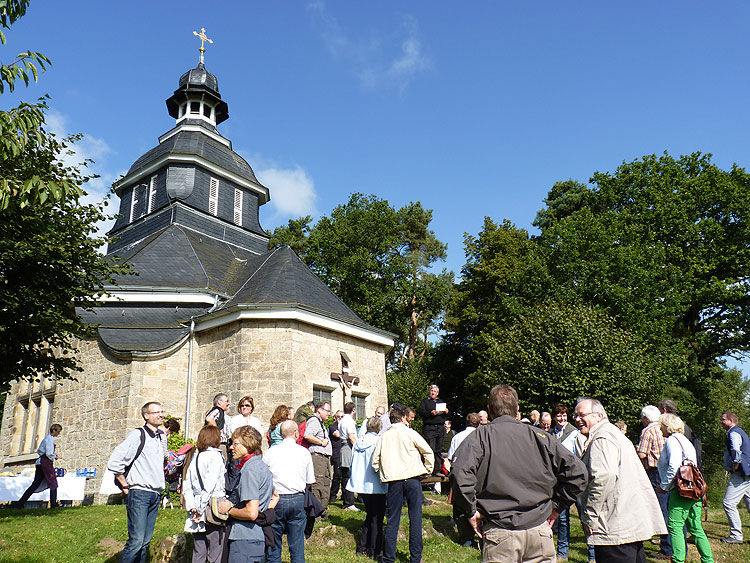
513	480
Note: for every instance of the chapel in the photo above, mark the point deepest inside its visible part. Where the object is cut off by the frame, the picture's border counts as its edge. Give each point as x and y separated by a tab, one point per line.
208	308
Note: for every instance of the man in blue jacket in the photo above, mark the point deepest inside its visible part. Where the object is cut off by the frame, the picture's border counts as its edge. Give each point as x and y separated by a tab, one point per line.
737	462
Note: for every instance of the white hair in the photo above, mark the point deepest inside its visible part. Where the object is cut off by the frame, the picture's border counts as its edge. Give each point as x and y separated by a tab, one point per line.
596	406
650	413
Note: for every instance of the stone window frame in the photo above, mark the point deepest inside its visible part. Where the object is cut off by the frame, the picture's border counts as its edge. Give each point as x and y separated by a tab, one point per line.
26	436
360	404
320	393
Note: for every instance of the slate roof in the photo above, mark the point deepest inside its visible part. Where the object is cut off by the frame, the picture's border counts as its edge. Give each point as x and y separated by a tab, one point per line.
196	143
143	328
199	76
283	279
179	258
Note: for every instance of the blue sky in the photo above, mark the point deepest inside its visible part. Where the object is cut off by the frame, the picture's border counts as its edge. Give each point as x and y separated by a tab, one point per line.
472	108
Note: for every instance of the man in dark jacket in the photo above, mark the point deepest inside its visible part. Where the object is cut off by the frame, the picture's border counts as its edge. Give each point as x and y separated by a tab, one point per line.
433	412
514	480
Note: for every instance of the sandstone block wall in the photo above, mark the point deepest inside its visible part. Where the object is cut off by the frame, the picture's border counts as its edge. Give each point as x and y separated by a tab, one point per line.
276	362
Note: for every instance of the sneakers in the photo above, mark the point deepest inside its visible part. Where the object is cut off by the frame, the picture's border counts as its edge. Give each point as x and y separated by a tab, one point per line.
731	540
352	508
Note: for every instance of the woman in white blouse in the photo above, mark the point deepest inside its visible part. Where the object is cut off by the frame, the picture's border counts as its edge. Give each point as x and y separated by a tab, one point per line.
245	408
683	512
204	479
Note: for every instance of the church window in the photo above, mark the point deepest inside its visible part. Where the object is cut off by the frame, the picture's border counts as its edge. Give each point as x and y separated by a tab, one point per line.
181	111
360	403
151	193
321	395
213	197
195	107
32	415
238	207
207	110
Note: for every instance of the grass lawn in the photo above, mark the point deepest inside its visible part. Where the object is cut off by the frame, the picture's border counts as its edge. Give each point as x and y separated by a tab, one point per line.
74	535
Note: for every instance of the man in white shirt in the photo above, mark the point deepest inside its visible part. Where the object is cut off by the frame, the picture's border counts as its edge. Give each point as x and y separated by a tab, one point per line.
472	421
348	431
292	469
465	531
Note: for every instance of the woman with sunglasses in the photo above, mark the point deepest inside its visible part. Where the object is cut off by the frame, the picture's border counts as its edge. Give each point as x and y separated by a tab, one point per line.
245	408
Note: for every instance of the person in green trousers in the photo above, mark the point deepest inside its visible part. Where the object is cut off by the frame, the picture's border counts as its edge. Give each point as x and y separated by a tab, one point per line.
682	512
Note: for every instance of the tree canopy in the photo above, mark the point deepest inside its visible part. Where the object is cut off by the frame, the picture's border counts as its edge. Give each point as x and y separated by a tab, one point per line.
643	274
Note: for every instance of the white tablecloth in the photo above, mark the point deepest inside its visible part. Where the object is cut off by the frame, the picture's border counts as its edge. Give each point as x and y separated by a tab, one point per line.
69	487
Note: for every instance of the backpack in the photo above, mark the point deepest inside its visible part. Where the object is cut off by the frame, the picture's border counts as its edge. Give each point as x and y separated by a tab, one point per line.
302	426
689	480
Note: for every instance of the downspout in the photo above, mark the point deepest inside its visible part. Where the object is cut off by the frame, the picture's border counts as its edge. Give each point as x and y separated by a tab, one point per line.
189	377
190	367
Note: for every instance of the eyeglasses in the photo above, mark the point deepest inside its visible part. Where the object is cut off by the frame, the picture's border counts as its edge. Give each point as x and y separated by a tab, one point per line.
582	415
155	412
248	406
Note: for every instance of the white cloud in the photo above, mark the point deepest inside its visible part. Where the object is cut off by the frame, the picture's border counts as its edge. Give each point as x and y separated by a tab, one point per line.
292	190
389	62
88	148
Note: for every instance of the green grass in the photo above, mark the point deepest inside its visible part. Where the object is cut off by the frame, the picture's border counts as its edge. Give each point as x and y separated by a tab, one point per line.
72	535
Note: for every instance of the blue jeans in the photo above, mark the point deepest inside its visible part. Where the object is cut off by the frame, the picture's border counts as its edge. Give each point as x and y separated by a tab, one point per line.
665	542
580	509
411	490
563	533
290	520
142	508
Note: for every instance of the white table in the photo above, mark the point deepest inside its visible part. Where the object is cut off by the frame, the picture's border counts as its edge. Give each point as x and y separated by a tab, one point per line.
69	487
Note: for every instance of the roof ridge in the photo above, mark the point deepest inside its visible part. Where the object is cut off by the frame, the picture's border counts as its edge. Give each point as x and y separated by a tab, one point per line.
150	239
190	244
268	257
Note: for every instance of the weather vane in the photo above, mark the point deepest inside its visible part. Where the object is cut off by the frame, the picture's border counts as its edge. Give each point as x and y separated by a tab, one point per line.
202	36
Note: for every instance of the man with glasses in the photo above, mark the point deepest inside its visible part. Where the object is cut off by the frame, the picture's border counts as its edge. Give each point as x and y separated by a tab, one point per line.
619	507
320	448
138	465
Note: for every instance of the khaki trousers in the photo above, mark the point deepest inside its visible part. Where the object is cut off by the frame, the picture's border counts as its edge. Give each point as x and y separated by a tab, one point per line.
534	545
323	474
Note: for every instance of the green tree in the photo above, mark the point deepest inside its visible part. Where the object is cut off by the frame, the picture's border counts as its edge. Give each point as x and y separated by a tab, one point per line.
378	260
49	263
563	200
294	235
503	276
556	353
663	245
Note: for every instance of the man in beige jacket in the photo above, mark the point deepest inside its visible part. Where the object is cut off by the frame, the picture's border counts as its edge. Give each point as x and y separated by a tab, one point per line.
401	456
619	506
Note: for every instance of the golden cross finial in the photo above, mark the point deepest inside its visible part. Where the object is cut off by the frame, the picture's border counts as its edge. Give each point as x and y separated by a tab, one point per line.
202	36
